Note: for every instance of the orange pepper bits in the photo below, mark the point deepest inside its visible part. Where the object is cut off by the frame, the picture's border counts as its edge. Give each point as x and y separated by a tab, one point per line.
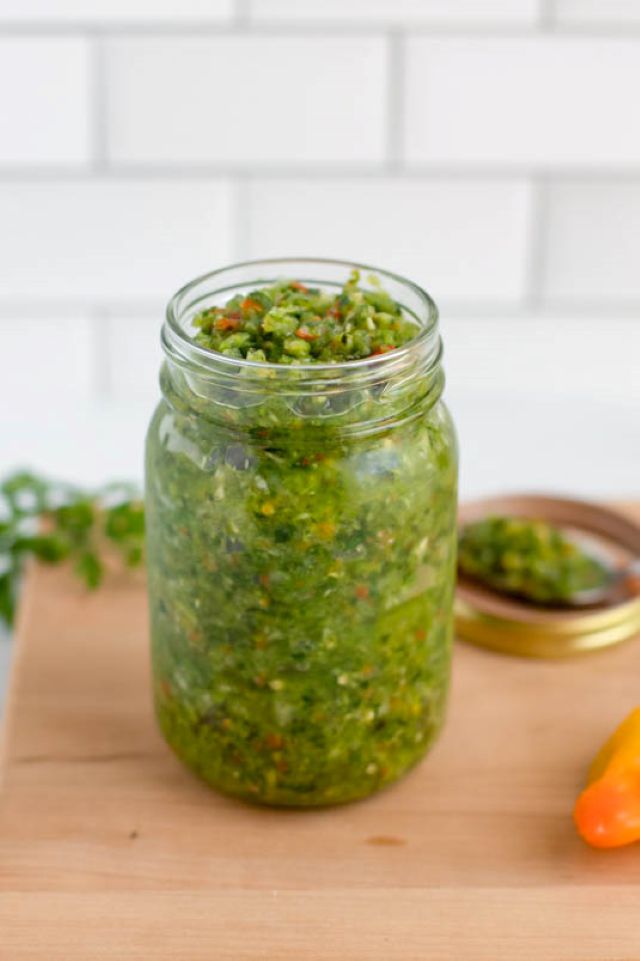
607	813
326	529
274	741
296	285
305	334
383	349
249	304
632	583
362	592
227	323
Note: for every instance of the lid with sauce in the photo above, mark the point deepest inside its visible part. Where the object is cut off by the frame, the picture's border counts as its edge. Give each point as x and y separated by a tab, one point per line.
513	626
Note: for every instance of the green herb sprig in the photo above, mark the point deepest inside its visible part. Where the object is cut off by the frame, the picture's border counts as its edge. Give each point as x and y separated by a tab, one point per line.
56	521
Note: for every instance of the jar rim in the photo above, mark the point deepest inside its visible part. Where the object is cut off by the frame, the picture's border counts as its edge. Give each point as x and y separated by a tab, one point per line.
175	338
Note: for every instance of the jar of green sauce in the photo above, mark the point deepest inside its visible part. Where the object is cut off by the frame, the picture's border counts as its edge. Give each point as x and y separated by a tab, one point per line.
301	517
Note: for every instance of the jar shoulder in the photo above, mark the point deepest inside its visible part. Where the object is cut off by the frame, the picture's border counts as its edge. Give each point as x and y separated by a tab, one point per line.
177	435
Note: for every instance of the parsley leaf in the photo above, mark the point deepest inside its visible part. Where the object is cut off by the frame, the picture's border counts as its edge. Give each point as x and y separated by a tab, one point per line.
56	521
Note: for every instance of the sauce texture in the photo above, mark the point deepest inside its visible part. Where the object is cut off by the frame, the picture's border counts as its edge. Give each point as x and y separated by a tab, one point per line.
301	563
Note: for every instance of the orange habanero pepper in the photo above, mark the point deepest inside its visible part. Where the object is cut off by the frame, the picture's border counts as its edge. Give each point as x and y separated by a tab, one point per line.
607	813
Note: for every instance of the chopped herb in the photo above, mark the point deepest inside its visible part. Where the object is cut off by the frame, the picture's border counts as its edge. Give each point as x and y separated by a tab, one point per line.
56	522
301	566
290	323
528	558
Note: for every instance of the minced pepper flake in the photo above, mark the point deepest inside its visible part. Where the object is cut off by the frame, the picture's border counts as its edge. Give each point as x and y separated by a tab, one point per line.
227	323
249	304
326	529
305	334
274	741
382	349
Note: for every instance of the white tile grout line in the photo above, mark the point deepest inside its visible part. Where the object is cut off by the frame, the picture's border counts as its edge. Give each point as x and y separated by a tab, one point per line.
547	19
324	170
396	101
537	246
98	104
320	29
242	12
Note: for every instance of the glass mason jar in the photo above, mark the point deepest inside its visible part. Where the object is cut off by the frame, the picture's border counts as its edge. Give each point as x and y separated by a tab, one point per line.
301	553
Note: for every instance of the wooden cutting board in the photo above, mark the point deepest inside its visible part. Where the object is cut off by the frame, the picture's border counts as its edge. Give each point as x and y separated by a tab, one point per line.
110	850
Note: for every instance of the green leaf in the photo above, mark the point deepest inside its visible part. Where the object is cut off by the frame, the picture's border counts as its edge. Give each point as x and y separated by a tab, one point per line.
25	493
48	548
7	597
89	568
125	521
134	556
77	520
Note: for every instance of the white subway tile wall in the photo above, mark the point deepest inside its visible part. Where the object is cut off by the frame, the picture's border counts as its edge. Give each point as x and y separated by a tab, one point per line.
110	240
60	351
488	150
593	243
463	12
544	359
598	11
246	100
45	102
464	240
530	103
116	11
134	356
545	403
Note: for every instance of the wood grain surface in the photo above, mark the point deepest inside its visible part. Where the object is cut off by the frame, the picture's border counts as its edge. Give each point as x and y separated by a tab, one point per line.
110	849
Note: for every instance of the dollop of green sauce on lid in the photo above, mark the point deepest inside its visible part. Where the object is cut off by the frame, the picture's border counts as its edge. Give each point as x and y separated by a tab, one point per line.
531	559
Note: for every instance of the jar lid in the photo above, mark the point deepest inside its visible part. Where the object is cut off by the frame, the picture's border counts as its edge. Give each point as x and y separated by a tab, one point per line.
506	624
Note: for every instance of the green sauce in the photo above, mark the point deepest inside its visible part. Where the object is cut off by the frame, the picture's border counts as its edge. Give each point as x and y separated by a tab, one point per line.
530	559
301	570
290	323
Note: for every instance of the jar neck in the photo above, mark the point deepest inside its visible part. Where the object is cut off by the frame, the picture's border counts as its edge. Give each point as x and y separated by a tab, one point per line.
354	402
360	396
